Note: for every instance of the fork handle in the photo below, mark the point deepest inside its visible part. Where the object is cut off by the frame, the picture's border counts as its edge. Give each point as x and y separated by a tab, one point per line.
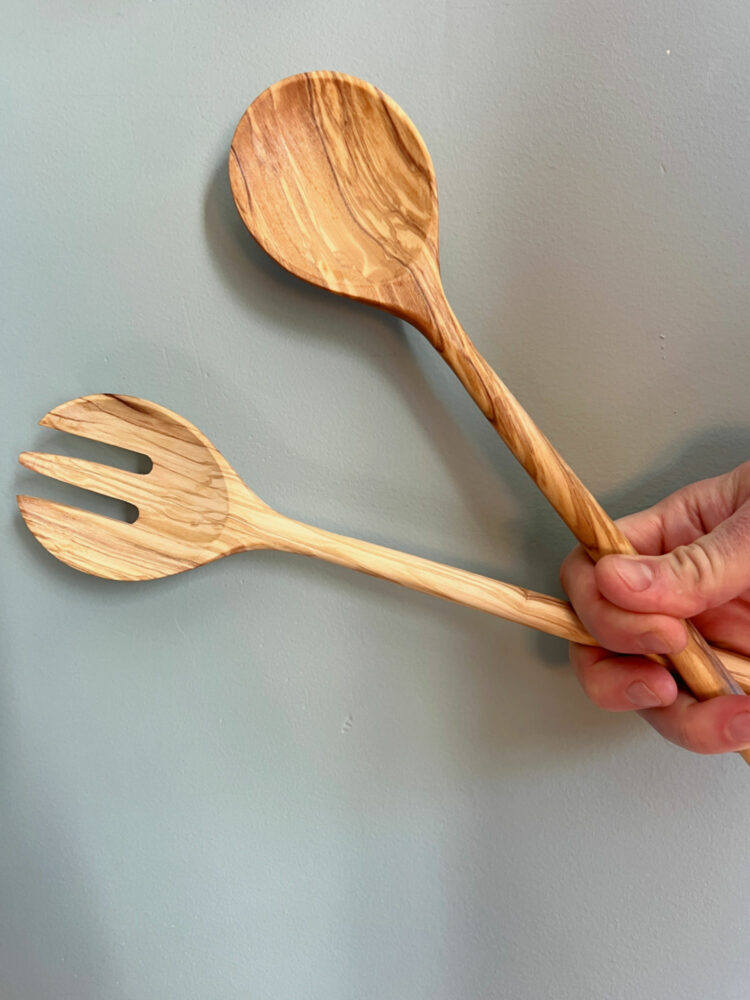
517	604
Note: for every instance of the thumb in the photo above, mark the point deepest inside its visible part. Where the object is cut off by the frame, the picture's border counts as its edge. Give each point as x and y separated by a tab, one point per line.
686	581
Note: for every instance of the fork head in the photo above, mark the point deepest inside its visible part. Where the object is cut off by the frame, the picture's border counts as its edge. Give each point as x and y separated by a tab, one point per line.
184	502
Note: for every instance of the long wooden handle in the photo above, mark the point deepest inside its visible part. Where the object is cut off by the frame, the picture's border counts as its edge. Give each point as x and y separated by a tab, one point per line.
517	604
430	312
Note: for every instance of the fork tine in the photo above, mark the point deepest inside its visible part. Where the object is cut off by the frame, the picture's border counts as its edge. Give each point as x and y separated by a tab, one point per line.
100	418
99	545
128	422
105	479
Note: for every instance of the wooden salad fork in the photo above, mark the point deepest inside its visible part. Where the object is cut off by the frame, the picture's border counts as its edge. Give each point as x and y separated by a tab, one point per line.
193	508
334	181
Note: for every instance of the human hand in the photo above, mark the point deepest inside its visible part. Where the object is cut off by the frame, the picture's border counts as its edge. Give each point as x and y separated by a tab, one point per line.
695	564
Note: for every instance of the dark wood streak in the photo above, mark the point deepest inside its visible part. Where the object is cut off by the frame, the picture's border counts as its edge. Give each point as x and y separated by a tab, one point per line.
404	149
388	252
131	403
238	165
334	173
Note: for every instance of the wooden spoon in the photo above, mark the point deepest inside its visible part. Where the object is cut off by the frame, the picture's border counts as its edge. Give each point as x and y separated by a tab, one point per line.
334	181
193	508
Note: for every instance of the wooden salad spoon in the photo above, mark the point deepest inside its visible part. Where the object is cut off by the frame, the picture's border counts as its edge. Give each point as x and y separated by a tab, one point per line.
193	508
333	180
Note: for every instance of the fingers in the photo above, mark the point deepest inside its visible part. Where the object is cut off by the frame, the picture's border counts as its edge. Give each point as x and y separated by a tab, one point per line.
613	626
719	725
727	626
695	547
622	683
694	562
709	571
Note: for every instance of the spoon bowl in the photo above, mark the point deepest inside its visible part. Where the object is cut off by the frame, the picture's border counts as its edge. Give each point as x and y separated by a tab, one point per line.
372	210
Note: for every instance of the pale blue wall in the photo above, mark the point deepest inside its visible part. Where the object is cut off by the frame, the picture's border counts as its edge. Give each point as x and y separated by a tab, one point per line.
274	779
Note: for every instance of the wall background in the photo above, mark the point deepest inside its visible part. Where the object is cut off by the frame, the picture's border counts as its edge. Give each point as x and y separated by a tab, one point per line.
272	778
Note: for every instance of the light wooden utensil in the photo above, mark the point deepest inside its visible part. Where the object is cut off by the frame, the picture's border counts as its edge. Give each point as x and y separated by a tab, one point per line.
333	180
193	508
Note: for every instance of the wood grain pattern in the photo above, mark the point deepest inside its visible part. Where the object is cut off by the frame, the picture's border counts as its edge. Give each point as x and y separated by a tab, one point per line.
193	508
333	180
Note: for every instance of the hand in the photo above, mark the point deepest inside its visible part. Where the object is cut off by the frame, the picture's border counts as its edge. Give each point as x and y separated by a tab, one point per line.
695	564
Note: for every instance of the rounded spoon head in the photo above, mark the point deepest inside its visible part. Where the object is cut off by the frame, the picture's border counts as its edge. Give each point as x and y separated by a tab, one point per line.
335	183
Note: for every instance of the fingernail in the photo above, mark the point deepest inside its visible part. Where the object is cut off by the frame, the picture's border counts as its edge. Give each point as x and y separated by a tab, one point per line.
738	729
653	642
641	695
634	574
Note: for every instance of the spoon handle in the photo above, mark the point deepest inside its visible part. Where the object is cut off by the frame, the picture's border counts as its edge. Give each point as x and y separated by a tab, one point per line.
516	604
697	664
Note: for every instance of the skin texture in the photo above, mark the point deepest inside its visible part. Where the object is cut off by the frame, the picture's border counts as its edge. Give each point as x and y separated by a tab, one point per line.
695	564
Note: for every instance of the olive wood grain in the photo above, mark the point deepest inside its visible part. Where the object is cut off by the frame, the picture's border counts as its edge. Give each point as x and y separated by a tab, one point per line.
193	508
334	181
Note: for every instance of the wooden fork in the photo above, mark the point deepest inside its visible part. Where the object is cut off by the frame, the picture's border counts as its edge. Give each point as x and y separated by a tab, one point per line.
193	508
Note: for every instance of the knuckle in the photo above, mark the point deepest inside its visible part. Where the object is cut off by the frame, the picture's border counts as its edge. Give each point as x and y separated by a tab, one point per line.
616	638
567	569
697	743
598	694
696	737
695	568
739	482
596	681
